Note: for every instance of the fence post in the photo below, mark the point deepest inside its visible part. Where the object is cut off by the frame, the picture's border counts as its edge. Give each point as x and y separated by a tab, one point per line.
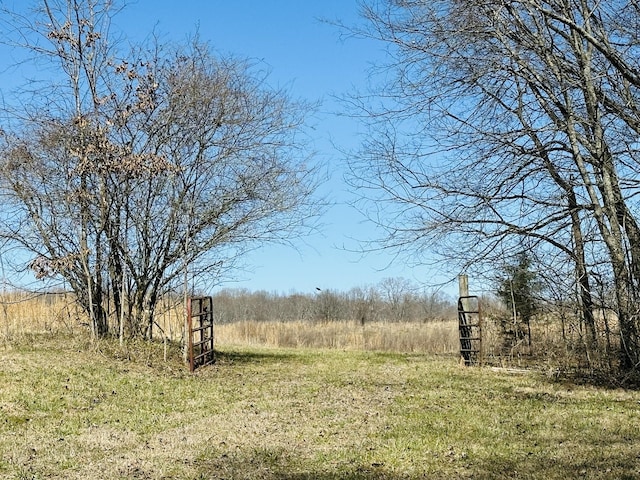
463	285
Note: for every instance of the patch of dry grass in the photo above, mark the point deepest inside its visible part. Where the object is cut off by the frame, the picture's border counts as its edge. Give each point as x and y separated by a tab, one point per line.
433	337
23	313
74	409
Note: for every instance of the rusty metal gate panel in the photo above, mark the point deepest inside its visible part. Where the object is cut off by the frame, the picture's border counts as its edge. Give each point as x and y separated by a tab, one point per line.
470	326
200	331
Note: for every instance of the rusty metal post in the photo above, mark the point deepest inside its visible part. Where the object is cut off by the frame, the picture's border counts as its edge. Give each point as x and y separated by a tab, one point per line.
189	336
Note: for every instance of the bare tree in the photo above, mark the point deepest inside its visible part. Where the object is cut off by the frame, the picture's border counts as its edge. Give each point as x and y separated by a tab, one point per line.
398	294
506	127
132	167
365	304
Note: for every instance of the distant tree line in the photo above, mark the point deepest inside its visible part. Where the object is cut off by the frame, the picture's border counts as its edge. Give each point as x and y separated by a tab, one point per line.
392	300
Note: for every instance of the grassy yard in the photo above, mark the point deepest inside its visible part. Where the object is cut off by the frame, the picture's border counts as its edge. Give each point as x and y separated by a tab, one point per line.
70	409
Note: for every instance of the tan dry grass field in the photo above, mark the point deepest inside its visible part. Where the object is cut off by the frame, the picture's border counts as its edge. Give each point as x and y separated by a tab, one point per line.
22	314
435	337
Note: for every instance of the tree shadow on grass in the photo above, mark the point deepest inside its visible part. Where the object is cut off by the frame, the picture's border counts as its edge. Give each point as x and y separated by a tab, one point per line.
601	379
604	463
226	358
272	464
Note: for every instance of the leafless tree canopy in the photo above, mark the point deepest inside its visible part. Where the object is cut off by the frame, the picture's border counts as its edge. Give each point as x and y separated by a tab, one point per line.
122	168
502	126
391	300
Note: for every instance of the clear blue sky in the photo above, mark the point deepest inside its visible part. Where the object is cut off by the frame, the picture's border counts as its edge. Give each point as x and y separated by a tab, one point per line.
310	57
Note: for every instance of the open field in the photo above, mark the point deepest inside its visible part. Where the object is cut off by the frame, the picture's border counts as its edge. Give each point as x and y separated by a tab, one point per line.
21	315
24	314
73	409
407	337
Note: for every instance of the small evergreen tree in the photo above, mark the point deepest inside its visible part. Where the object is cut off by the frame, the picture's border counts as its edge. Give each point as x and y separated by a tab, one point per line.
518	289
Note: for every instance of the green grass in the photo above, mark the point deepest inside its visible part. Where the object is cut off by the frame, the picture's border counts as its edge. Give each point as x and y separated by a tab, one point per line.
69	409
